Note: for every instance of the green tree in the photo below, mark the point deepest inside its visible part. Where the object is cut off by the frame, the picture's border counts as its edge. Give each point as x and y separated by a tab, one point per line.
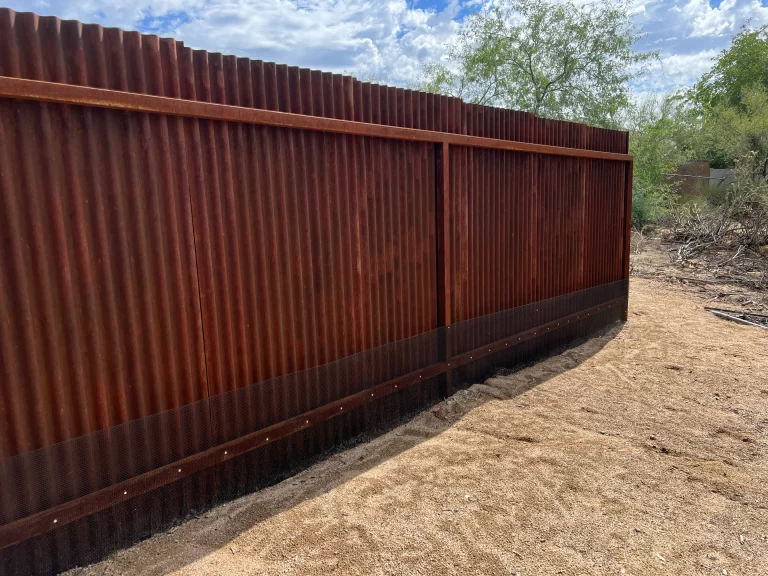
743	64
565	61
659	132
729	132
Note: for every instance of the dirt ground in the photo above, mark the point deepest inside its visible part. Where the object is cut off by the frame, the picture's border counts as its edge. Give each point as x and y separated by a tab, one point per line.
640	452
655	257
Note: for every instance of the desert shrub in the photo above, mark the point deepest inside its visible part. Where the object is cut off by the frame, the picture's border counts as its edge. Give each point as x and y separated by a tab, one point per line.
650	205
732	215
716	196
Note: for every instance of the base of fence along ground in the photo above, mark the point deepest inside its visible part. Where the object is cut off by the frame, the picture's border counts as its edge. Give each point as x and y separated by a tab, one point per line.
74	502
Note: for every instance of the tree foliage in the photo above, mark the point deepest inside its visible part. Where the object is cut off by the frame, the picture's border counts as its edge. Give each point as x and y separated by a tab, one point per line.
740	66
574	61
566	60
729	132
723	119
659	132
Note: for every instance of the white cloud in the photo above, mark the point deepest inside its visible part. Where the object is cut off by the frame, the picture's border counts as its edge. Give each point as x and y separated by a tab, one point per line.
120	13
707	20
675	71
387	38
685	69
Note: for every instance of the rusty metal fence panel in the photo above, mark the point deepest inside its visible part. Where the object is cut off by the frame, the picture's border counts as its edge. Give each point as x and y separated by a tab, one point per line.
213	269
99	288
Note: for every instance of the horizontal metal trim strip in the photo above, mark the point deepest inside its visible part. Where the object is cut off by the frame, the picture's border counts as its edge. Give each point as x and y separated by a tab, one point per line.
129	101
40	522
478	353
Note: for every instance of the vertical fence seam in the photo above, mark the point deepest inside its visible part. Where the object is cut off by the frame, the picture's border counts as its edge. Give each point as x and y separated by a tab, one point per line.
199	300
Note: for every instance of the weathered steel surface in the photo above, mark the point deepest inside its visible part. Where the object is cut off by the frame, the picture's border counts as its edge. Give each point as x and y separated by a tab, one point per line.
477	339
99	290
52	92
311	246
189	231
527	227
327	248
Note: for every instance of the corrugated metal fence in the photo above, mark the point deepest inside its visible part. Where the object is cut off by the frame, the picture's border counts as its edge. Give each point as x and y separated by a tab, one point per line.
206	259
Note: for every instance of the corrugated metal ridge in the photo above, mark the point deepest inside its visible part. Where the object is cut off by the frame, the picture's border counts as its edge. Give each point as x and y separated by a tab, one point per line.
471	340
474	120
39	91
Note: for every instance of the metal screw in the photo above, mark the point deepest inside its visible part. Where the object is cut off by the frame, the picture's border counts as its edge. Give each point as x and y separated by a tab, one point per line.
55	520
125	493
267	439
225	452
179	469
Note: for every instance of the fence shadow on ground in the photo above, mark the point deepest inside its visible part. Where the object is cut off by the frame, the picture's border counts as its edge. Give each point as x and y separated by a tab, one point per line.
181	546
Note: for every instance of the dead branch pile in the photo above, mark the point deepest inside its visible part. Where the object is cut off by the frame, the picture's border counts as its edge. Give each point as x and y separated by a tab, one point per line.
727	236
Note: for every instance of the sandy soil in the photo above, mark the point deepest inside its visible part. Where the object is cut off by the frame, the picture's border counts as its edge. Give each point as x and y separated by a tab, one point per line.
654	257
640	452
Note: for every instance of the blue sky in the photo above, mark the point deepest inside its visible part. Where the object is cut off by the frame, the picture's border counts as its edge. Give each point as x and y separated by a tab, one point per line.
388	39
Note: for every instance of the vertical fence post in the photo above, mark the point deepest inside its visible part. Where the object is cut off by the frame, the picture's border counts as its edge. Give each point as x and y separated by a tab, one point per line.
443	228
627	233
584	165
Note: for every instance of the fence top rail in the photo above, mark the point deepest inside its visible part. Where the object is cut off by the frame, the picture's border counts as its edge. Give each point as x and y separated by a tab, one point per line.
40	91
